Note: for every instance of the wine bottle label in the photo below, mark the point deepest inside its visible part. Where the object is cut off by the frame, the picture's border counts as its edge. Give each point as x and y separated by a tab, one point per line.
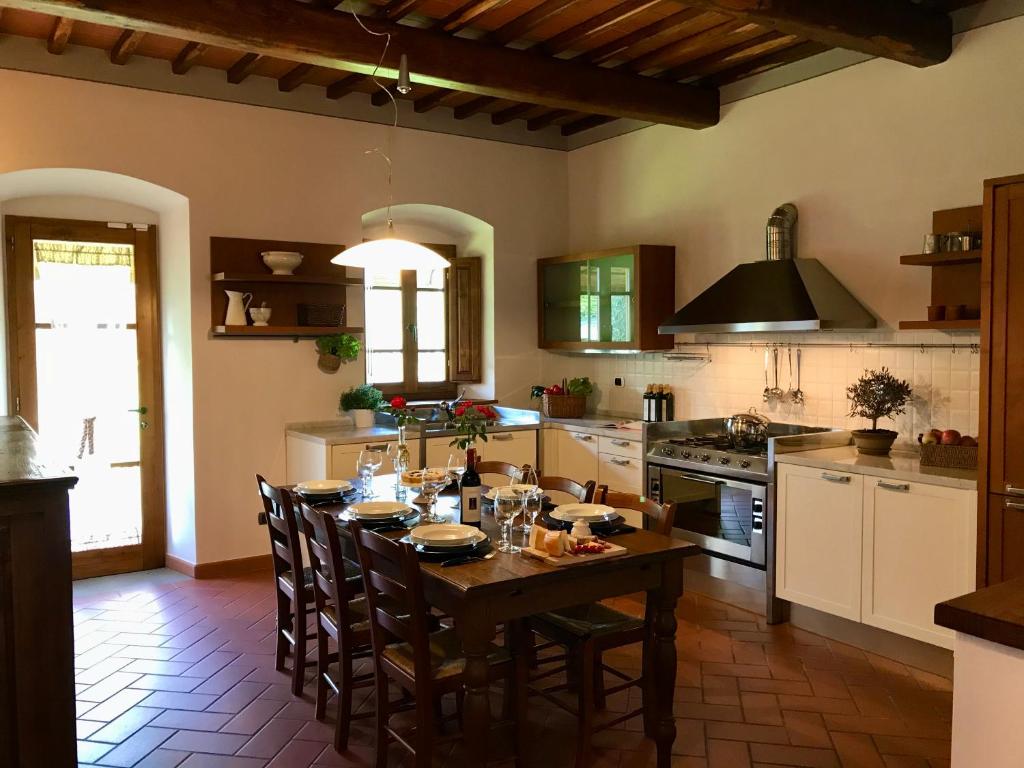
471	506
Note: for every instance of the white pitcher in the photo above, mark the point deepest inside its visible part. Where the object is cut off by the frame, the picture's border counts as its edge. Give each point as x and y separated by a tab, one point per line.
238	302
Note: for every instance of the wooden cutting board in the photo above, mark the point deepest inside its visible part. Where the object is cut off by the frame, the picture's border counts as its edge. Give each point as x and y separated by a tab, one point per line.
567	560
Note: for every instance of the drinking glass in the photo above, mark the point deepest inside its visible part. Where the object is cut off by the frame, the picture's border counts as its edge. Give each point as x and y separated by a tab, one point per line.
530	506
400	463
369	461
434	480
506	503
457	467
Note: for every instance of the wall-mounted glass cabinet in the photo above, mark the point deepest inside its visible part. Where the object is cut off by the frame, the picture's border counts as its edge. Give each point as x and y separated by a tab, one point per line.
612	299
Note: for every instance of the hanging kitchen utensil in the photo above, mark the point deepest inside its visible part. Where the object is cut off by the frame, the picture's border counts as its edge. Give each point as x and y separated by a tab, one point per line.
798	394
776	393
767	394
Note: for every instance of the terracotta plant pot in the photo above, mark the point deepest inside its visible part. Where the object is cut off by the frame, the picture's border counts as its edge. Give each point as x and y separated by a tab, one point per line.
874	442
328	363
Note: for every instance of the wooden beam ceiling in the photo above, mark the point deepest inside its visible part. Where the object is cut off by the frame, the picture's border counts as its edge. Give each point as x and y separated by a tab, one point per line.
294	77
306	35
125	46
894	29
187	57
242	68
59	35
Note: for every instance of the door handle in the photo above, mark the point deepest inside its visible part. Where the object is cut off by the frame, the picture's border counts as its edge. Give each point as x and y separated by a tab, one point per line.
832	478
622	443
381	447
894	486
584	438
1014	490
1013	505
501	437
620	462
142	411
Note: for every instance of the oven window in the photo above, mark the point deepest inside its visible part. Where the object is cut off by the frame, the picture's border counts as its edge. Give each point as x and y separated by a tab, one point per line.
712	509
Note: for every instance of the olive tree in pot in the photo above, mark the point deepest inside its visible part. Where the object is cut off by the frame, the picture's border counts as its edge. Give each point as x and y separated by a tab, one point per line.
877	395
335	350
361	403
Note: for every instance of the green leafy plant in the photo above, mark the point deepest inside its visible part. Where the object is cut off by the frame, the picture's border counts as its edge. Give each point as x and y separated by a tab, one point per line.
471	424
364	397
580	386
341	345
877	395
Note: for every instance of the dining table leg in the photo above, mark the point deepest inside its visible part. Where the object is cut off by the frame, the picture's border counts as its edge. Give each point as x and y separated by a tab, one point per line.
476	634
663	659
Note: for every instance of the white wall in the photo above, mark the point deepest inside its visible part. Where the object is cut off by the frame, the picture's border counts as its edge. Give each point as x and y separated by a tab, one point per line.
255	172
866	153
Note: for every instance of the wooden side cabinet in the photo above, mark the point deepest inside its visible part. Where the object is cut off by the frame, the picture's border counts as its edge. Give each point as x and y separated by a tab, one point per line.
611	299
1001	455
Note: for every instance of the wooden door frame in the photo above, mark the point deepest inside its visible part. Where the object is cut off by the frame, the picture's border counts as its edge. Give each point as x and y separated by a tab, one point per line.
19	231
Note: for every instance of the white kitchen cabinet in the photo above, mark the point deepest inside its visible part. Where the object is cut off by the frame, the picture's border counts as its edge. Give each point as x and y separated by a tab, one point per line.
819	529
625	475
919	550
517	448
312	460
577	457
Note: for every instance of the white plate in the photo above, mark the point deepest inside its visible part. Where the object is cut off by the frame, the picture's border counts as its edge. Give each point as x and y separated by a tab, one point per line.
323	487
446	535
518	488
592	513
377	510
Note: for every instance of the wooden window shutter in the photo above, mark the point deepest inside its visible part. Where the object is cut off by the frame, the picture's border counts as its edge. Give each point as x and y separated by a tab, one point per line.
465	319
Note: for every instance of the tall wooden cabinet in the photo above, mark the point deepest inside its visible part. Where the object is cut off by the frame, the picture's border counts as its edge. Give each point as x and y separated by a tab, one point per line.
1001	480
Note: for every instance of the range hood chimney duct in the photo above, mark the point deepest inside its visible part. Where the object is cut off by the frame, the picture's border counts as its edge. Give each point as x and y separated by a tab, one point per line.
779	236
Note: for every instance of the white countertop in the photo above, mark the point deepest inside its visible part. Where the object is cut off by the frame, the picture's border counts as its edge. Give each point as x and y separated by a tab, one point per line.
897	466
607	426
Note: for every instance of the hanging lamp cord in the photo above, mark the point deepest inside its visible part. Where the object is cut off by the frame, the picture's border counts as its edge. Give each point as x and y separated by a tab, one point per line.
386	151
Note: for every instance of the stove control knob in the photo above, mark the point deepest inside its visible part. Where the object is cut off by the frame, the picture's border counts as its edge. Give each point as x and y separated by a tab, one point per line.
723	459
687	455
744	464
705	457
666	451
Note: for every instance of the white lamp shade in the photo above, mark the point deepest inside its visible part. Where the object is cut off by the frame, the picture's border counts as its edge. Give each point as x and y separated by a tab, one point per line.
390	253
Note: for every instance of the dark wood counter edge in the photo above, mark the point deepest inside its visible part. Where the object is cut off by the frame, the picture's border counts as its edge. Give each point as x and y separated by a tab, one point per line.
994	613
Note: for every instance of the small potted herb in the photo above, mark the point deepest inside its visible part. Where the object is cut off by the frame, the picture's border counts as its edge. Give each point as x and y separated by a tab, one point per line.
335	350
361	403
877	395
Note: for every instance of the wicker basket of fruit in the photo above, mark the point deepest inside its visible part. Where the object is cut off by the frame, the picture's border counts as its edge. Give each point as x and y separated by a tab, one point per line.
949	449
567	400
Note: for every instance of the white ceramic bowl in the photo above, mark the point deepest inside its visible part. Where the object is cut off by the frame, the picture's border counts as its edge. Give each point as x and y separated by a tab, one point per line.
259	315
323	487
282	262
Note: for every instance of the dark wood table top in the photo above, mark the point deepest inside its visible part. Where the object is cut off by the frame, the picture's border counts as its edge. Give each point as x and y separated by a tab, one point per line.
505	571
993	613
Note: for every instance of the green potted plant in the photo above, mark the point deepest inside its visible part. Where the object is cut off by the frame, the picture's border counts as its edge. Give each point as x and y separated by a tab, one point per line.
877	395
335	350
361	403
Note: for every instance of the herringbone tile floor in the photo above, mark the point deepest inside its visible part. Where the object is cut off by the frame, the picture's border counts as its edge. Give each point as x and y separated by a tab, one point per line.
182	674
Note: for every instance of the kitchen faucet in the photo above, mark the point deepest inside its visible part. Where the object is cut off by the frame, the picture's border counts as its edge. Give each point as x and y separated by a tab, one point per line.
449	407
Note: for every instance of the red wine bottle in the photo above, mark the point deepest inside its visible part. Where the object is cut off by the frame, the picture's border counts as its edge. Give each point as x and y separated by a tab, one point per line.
469	508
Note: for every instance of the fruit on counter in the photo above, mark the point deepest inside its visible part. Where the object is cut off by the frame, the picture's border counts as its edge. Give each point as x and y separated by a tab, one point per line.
577	386
968	442
928	438
950	437
947	437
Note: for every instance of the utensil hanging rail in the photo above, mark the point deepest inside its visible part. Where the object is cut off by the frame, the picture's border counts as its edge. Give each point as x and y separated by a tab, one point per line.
682	346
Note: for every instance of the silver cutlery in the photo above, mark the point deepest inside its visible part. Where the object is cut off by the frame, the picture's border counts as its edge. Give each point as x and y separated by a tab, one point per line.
767	394
468	559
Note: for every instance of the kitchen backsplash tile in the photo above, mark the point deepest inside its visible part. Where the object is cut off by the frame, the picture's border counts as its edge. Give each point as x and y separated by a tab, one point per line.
945	383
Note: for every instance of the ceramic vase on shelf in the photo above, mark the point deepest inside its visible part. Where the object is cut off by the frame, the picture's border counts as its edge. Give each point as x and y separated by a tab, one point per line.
238	302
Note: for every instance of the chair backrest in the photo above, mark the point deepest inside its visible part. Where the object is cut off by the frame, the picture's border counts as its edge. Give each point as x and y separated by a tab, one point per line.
497	468
661	516
582	492
327	562
391	570
283	525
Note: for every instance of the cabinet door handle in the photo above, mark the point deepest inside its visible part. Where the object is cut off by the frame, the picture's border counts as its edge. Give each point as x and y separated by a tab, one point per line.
380	447
584	438
1014	490
832	478
1013	505
501	437
893	486
620	462
622	443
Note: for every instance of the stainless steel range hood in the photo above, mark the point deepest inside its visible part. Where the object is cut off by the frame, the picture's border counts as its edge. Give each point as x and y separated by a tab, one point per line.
782	293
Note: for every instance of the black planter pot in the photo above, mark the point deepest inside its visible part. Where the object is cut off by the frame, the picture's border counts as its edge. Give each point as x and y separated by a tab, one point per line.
874	442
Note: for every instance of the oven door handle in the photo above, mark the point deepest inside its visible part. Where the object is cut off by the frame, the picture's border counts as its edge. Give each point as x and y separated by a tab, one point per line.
695	478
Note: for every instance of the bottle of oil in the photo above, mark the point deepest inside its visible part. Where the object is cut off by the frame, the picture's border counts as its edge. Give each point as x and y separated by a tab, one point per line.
659	403
648	400
670	404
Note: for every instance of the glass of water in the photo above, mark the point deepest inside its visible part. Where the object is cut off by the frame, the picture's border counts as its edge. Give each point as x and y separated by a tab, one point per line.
367	464
507	503
435	479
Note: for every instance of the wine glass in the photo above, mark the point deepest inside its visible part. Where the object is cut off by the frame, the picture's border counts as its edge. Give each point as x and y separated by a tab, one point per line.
527	476
506	504
434	480
457	467
369	461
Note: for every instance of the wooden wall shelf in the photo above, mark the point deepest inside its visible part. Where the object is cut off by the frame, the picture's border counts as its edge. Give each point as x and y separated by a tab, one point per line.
280	331
940	325
941	259
246	277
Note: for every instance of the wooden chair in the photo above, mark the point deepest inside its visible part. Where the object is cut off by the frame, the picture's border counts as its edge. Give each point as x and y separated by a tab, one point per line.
586	631
584	493
502	468
430	664
292	583
340	615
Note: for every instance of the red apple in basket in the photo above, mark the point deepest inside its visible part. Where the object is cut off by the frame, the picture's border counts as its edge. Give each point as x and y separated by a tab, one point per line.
968	442
950	437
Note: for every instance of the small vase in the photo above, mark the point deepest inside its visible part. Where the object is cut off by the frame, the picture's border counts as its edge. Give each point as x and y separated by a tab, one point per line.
363	417
401	463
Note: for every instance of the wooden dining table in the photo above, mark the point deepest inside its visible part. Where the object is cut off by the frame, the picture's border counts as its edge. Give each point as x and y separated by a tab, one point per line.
480	595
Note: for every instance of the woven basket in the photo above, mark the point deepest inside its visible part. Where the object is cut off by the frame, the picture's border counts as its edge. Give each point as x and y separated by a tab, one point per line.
949	456
321	315
564	406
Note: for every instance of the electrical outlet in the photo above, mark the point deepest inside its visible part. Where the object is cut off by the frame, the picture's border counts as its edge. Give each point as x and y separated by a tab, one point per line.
618	381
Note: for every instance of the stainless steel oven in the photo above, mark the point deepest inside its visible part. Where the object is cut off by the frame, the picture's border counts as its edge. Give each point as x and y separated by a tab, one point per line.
723	515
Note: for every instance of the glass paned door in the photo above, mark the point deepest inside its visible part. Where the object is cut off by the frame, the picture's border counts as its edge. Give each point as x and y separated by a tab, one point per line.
86	379
590	300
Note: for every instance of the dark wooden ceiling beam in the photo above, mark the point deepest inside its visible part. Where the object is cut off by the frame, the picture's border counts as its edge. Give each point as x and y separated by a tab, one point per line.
59	35
894	29
344	86
547	118
429	101
678	49
787	55
187	58
472	107
521	25
466	14
381	97
299	33
396	9
294	77
125	46
584	124
595	25
733	55
242	68
509	114
619	45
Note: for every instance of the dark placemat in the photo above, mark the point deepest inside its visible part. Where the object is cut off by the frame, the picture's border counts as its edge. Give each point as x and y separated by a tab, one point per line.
435	556
599	529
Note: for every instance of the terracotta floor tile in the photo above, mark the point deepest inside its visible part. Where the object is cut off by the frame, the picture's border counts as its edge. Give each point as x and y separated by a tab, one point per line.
166	683
806	729
194	721
124	725
761	708
910	745
176	700
296	754
805	757
135	747
206	742
728	754
856	750
162	758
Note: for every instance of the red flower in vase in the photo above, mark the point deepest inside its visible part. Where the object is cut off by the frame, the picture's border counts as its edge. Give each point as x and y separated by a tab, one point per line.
398	402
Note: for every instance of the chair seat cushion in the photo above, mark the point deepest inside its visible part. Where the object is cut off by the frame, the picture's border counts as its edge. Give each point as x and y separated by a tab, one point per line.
307	578
588	620
446	655
359	614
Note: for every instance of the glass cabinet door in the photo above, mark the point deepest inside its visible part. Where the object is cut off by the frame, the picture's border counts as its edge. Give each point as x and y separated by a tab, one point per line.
565	300
590	300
